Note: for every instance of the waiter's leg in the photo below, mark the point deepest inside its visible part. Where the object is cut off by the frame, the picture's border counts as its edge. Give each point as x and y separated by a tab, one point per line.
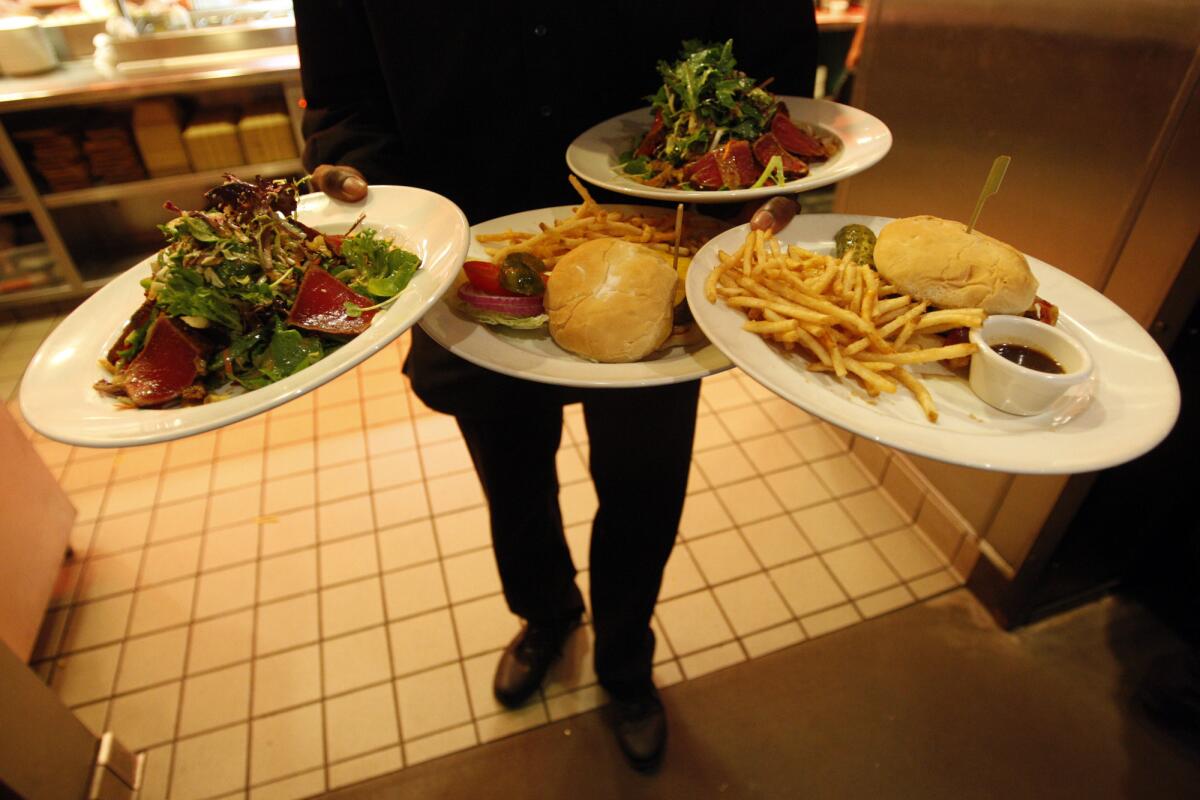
640	449
515	461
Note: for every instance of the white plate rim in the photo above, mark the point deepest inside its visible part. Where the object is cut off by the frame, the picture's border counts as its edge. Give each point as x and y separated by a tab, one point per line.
1135	406
76	414
865	141
497	350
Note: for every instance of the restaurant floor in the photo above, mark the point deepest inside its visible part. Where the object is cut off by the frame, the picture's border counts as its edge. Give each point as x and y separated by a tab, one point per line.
308	599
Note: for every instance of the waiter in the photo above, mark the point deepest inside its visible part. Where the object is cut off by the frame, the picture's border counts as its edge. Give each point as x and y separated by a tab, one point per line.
479	103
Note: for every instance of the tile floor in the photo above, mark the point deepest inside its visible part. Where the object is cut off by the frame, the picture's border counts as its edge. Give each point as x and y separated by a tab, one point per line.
308	599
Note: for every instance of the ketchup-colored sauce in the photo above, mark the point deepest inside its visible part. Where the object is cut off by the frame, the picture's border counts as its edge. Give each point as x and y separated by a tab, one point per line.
1028	357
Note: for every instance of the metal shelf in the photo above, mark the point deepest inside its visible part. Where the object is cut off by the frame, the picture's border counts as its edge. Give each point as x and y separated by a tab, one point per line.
167	185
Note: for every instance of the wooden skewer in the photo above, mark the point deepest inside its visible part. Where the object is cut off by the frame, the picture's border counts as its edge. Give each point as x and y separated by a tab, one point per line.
678	236
990	187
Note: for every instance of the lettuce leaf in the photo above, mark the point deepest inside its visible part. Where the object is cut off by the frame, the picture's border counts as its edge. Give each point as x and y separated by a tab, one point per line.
508	320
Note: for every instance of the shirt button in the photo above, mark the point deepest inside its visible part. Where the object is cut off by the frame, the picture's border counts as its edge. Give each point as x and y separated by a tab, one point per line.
540	30
545	111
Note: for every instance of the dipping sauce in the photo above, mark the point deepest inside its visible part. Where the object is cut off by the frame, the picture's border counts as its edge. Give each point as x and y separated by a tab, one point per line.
1028	357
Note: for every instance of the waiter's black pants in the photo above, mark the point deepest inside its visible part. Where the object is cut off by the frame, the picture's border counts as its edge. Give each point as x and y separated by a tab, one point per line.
640	444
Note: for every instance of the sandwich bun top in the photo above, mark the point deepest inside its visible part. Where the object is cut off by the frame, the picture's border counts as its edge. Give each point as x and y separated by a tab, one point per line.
611	301
937	261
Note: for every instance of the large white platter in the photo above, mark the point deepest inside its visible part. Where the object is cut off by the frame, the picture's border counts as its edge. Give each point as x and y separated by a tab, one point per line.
1134	404
57	397
534	356
594	154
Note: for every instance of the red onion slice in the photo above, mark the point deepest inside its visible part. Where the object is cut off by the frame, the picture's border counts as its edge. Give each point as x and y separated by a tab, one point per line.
516	305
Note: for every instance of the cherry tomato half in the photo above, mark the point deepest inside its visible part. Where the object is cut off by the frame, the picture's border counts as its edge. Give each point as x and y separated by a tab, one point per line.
485	276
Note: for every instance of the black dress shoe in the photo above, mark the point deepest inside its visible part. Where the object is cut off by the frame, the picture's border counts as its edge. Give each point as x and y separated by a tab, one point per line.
527	659
640	722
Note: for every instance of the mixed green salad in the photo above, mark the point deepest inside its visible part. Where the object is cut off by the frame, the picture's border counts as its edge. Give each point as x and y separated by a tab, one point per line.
244	294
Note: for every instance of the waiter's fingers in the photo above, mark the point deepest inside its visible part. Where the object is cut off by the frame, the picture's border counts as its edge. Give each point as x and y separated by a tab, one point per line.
773	215
340	182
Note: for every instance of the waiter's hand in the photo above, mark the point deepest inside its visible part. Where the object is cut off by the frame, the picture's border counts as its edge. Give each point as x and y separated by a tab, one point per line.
774	215
340	182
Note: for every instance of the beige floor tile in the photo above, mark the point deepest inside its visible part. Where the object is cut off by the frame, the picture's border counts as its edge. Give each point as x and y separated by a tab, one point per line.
413	590
885	601
436	745
109	575
225	590
241	438
461	531
406	545
340	390
342	518
874	512
724	465
341	448
116	534
471	575
237	505
290	459
86	474
384	384
723	557
813	442
288	531
662	648
770	453
97	622
152	659
696	480
747	422
351	606
221	641
513	721
395	468
575	702
908	553
192	450
138	462
289	430
703	514
285	744
387	438
484	624
286	623
235	471
749	501
480	673
842	475
213	700
177	520
87	676
798	487
445	458
711	660
304	405
929	585
579	541
807	586
777	638
422	642
285	494
355	770
355	660
359	722
171	560
348	559
210	764
436	428
185	483
431	701
343	480
338	419
288	574
860	569
693	622
724	393
681	574
306	784
163	606
401	504
286	679
571	466
752	604
830	620
575	668
129	496
710	433
89	502
225	547
776	541
461	490
826	526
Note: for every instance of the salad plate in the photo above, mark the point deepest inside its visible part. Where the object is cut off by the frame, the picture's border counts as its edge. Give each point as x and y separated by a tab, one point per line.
1132	405
57	395
595	154
533	355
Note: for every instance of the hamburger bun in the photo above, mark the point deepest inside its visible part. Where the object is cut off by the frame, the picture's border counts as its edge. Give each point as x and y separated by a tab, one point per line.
937	261
611	301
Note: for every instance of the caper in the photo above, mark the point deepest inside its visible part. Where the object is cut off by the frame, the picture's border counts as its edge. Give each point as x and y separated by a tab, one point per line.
521	273
858	241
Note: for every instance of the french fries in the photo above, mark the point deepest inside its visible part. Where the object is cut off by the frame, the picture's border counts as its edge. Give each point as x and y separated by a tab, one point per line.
838	313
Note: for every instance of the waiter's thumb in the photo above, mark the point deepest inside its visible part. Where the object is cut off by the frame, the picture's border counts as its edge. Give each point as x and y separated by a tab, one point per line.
340	182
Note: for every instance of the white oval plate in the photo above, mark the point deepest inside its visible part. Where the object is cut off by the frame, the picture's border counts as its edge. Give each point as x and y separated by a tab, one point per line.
57	397
865	140
534	356
1134	405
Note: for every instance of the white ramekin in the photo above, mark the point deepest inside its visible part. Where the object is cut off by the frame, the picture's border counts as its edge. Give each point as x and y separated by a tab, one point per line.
1019	390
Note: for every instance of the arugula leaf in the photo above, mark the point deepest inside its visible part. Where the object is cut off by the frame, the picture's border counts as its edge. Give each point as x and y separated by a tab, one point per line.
184	293
288	353
379	269
199	229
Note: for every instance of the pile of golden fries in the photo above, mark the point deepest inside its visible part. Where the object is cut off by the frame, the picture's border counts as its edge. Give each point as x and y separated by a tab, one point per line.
838	313
592	221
